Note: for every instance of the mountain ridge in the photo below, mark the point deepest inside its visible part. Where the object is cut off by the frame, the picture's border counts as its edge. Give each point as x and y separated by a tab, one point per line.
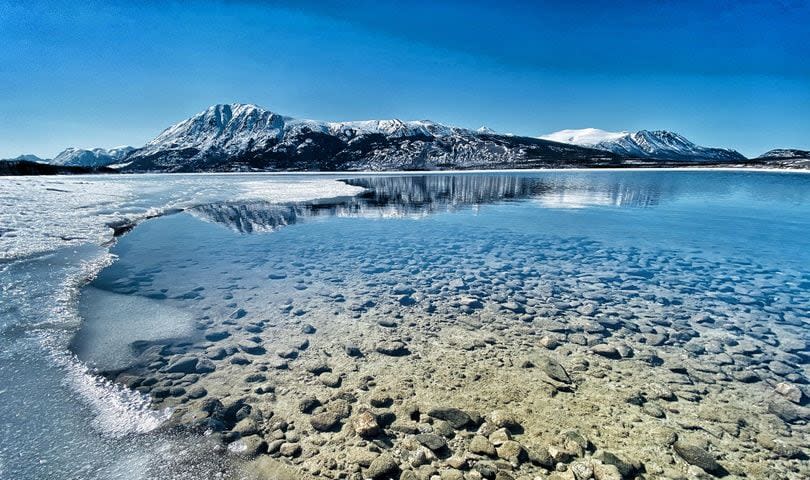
793	158
95	157
246	137
786	153
230	137
653	144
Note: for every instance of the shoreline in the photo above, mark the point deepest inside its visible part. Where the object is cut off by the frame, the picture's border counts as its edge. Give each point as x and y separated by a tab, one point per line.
434	172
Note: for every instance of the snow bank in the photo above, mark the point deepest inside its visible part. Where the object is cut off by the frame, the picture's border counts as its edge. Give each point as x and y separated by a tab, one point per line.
42	214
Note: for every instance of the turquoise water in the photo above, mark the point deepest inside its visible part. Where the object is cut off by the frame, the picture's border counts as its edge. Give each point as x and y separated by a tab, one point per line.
732	245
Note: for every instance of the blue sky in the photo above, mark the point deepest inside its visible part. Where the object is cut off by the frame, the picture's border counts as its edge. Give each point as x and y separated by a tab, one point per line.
723	73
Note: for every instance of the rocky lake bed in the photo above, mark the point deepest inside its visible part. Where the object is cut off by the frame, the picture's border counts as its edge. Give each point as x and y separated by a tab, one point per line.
418	340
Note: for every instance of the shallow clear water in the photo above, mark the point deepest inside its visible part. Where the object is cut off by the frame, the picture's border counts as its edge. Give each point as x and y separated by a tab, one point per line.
57	420
632	247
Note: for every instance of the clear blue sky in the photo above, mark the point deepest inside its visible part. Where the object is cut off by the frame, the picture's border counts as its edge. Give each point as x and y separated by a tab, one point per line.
723	73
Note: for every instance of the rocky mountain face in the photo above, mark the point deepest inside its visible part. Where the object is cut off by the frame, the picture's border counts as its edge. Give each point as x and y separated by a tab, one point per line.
649	144
96	157
245	137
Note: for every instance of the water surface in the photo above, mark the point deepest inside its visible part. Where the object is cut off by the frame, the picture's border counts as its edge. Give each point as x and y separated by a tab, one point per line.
705	271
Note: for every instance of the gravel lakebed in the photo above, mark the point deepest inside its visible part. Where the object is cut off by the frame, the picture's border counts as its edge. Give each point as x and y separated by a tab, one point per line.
512	357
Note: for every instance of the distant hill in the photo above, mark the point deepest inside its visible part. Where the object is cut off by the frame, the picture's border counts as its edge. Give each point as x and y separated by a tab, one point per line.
29	158
785	158
96	157
25	167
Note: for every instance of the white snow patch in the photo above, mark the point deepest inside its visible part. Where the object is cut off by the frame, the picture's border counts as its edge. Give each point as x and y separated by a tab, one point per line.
584	136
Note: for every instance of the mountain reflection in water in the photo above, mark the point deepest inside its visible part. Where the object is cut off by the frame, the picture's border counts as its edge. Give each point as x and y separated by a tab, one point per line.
421	195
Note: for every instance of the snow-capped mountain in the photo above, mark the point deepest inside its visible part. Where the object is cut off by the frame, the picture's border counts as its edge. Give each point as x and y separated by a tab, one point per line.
247	137
236	128
652	144
96	157
242	137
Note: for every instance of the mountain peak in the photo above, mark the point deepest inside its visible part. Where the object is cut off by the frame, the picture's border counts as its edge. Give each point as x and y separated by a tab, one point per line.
218	125
657	144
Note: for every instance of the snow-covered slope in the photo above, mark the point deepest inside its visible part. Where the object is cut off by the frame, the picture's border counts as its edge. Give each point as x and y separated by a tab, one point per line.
587	137
653	144
97	157
235	128
247	137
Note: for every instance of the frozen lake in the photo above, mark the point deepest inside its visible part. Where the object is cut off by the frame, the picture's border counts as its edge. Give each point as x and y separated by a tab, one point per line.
675	301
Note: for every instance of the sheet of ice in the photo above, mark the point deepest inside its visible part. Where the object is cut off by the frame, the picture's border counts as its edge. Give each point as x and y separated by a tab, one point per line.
41	214
105	343
67	422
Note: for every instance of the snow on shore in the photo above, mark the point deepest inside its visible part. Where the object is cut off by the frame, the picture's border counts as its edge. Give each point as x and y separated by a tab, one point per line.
42	214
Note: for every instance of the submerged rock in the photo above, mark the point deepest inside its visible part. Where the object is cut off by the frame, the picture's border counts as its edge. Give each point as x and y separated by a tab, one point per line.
696	455
191	365
454	416
787	411
503	419
365	425
217	336
382	466
325	421
625	468
553	369
308	404
607	351
431	441
331	380
248	447
790	392
393	349
481	446
353	350
251	347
